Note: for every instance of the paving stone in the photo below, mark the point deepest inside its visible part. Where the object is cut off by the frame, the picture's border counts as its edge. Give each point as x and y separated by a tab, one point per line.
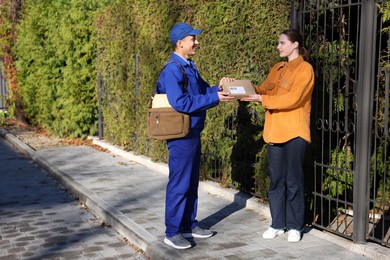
40	220
138	193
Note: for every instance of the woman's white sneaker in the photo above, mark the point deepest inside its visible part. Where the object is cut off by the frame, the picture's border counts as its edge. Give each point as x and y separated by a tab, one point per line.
272	233
294	236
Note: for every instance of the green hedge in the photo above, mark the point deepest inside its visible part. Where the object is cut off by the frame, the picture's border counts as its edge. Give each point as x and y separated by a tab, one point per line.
65	47
239	40
56	64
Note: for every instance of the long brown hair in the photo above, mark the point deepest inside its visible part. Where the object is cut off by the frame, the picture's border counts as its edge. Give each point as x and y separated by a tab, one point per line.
294	36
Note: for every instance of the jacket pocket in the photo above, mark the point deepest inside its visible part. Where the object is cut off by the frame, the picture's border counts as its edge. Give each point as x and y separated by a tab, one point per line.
269	86
284	86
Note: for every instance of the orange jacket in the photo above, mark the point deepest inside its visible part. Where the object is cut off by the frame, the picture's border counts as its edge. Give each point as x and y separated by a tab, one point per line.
286	96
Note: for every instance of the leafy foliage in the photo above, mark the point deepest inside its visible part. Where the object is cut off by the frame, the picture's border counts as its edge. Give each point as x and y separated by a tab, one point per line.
56	61
66	48
339	178
9	15
381	155
238	40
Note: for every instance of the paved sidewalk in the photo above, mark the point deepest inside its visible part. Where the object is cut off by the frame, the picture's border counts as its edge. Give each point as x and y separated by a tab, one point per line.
128	191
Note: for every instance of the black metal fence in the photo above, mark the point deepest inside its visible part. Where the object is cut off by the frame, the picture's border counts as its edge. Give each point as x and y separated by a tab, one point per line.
350	164
3	90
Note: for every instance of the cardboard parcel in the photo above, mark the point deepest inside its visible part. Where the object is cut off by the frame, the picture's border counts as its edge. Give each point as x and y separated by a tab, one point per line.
239	88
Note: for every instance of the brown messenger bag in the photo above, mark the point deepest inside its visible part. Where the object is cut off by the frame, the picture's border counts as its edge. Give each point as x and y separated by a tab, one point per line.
164	122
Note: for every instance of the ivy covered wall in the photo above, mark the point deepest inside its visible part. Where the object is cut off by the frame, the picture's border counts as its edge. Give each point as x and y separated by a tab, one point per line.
238	40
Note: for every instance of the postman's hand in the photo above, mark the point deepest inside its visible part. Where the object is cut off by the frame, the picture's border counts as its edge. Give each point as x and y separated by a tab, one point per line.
224	96
223	80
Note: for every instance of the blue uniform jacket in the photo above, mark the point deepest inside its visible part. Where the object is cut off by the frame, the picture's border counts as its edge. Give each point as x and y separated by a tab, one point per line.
197	100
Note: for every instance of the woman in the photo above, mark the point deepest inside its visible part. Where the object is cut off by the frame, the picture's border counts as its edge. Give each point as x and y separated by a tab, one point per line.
286	97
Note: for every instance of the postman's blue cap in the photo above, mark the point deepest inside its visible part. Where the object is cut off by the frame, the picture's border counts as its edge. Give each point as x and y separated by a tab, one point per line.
181	30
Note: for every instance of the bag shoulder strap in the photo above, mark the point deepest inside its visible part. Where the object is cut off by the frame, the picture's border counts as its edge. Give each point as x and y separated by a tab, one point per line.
185	85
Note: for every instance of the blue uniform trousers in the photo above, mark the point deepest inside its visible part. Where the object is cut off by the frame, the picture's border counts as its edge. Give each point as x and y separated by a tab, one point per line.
182	188
286	192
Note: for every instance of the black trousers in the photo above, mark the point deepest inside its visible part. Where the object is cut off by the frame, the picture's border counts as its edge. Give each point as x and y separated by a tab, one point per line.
286	192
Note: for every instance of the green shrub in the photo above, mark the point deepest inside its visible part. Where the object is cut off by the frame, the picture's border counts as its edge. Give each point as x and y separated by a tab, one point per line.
56	63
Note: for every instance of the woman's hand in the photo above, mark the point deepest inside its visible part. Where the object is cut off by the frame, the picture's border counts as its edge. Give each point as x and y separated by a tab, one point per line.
256	98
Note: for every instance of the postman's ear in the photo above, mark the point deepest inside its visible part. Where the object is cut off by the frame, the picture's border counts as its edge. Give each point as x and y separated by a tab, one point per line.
179	44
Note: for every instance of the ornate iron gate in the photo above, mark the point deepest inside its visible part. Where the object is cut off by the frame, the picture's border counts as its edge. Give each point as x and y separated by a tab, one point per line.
350	47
